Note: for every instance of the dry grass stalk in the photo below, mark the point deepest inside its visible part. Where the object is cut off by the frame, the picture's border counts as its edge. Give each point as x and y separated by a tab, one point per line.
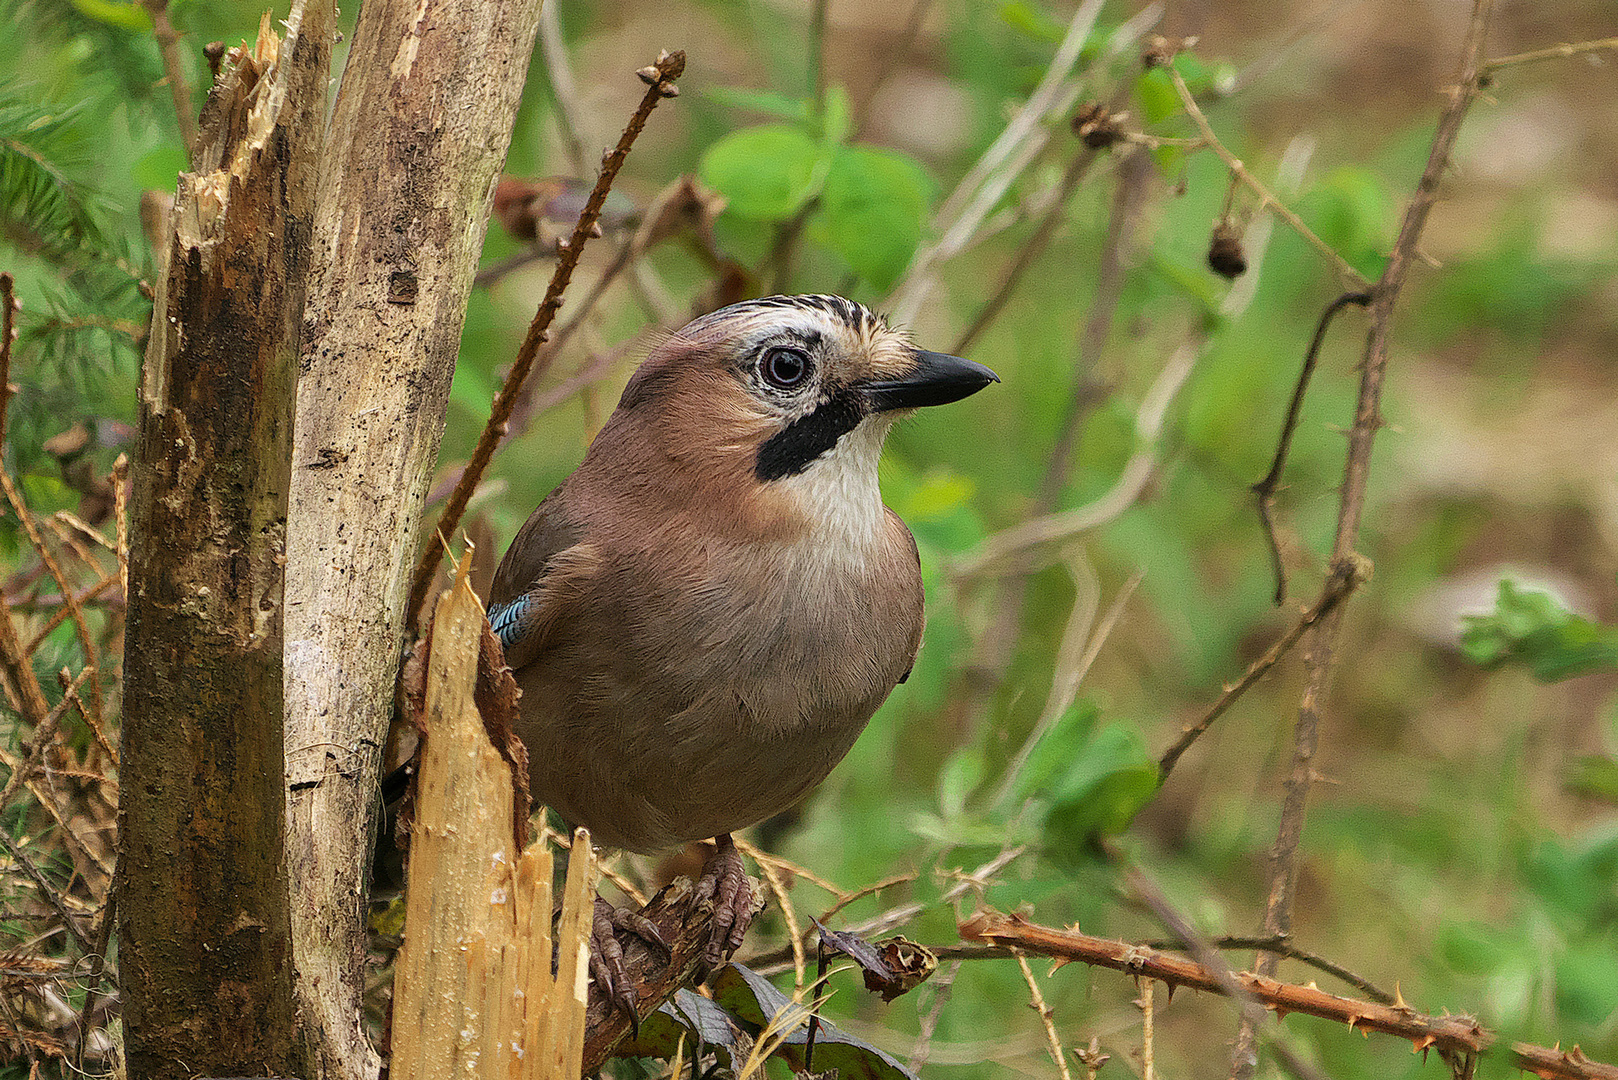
475	994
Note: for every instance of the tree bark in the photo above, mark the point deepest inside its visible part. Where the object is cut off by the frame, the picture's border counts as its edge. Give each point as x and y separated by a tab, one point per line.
204	925
418	137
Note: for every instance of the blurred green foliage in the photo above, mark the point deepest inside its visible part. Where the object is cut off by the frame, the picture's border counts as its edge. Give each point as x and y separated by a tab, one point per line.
1464	849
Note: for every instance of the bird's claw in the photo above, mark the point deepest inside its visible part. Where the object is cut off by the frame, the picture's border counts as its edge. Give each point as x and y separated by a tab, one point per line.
607	963
724	884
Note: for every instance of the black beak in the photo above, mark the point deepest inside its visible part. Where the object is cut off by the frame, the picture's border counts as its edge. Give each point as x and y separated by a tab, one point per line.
937	379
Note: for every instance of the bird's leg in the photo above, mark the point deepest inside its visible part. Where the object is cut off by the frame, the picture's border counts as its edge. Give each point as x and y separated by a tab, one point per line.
607	955
724	882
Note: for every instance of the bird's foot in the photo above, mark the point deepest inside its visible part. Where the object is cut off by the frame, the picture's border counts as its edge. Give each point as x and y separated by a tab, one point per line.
724	884
607	954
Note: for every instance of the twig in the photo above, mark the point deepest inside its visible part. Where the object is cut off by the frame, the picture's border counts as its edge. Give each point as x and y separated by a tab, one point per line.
660	79
1014	932
168	45
9	306
1266	488
46	889
564	91
1234	164
1055	528
92	655
19	672
1181	927
1148	1069
60	615
1554	52
70	693
1029	251
1089	388
1036	1001
941	985
1350	576
1227	941
1070	672
40	739
1320	656
795	932
120	513
989	178
817	52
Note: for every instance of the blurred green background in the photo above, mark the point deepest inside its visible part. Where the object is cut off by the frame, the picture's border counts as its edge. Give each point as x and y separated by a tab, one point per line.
1461	842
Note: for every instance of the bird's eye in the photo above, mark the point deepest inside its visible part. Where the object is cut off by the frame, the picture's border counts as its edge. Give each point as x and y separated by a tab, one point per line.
783	368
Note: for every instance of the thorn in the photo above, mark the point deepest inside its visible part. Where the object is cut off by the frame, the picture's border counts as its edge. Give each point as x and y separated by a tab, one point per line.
1399	999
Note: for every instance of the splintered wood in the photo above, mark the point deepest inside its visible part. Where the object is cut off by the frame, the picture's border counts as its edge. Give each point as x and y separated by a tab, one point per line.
474	994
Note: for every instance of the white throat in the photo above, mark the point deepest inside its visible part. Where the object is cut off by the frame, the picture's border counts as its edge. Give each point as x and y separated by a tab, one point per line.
839	495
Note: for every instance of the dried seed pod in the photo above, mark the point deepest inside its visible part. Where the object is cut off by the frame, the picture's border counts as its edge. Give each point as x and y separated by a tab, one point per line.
1226	256
1096	126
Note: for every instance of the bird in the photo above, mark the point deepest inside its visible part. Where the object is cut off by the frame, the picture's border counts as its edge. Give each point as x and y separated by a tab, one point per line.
704	615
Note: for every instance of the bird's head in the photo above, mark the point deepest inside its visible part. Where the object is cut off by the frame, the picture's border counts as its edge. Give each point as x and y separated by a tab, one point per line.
788	398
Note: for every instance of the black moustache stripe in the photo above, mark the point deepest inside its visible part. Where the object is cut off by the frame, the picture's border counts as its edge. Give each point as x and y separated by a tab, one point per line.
790	451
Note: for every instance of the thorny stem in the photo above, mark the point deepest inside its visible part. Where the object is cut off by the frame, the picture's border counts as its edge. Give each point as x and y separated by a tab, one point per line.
1319	658
1353	574
1266	488
660	79
1189	102
1005	933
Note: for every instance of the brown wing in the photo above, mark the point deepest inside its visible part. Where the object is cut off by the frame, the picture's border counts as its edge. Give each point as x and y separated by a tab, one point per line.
546	562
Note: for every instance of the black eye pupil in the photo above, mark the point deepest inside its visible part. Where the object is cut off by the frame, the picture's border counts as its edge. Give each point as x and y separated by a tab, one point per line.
785	368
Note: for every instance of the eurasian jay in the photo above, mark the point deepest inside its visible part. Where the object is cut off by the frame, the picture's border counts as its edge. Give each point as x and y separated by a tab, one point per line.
705	614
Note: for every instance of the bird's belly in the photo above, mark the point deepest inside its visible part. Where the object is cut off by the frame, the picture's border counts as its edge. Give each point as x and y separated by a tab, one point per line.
657	752
646	777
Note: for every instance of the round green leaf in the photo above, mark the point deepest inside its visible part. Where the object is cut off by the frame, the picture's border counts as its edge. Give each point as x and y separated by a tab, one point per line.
871	212
765	173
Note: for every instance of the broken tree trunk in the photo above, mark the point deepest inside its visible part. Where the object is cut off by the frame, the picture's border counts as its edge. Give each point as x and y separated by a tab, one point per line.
204	929
474	995
418	136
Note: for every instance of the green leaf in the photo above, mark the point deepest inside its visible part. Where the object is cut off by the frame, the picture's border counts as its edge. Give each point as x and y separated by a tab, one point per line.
1532	628
1352	211
1587	983
690	1016
836	118
1031	21
124	16
1596	777
765	173
871	212
1155	92
769	102
1099	791
959	777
